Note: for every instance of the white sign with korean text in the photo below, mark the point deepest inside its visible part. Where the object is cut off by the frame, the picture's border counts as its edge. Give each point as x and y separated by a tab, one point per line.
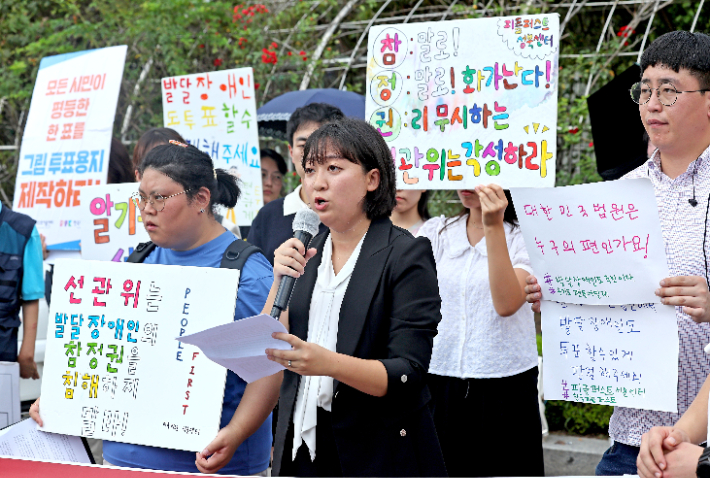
467	102
597	243
112	368
111	225
620	355
216	113
67	139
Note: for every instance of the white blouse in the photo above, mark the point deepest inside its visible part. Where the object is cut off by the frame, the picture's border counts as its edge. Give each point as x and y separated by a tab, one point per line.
473	341
323	319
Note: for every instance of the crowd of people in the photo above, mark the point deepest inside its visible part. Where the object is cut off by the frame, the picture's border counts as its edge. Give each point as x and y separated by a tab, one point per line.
413	348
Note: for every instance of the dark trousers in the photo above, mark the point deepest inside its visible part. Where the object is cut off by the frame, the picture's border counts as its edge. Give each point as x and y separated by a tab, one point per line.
8	344
327	462
475	418
619	459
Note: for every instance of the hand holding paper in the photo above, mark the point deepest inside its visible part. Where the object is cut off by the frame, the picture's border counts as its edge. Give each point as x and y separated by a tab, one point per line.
240	345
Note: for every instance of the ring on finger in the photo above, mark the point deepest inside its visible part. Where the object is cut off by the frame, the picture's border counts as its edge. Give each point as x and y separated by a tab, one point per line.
289	364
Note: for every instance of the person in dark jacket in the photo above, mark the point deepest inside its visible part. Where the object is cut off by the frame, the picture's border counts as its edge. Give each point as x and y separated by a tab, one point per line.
362	320
21	287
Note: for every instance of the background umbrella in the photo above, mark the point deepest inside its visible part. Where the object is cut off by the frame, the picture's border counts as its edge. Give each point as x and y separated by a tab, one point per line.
272	117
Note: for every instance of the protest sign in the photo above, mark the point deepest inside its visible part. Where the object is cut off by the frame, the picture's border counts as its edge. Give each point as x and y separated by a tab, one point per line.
112	367
467	102
216	113
622	355
9	393
111	225
597	243
67	139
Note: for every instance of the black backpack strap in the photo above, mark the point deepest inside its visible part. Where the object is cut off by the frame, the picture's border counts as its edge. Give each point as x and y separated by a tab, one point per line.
141	251
237	254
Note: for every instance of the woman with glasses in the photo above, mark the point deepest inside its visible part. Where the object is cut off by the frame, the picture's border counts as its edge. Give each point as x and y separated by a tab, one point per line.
179	188
273	169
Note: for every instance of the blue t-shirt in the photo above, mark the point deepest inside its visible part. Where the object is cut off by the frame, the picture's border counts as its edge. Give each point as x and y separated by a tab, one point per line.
254	285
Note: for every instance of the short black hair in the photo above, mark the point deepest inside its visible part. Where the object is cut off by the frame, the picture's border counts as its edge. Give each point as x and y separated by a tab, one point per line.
316	113
681	49
278	159
193	169
150	139
359	143
120	169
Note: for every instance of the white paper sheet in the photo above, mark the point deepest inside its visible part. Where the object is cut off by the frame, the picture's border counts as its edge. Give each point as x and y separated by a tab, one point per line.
239	346
597	243
611	355
9	393
23	440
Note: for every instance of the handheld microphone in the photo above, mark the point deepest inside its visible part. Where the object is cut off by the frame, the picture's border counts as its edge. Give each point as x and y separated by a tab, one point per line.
305	226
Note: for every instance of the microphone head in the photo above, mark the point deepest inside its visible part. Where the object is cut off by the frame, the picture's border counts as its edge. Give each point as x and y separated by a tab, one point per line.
693	202
306	220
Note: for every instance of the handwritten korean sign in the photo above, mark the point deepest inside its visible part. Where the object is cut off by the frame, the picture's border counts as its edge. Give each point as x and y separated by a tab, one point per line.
67	139
216	113
611	355
595	243
111	225
467	102
111	355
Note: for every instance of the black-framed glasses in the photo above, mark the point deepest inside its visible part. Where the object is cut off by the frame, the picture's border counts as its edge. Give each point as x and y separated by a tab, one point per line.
667	93
157	201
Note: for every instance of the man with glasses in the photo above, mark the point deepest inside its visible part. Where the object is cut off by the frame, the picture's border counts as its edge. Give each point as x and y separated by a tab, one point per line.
674	105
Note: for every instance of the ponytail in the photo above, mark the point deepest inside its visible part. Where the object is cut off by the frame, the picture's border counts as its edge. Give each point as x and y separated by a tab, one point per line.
194	170
226	192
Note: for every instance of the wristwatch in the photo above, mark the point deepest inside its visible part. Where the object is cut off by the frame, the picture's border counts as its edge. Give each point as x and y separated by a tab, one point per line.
703	470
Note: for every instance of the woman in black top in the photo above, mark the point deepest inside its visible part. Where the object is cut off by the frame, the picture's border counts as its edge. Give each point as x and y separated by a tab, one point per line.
362	319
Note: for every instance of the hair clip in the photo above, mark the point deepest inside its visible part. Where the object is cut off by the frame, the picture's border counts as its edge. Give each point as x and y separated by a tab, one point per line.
177	143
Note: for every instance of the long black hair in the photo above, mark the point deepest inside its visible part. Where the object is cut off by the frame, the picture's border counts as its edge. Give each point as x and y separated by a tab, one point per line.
194	170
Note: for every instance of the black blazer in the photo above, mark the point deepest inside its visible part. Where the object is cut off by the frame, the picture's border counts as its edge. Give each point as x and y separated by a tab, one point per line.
390	312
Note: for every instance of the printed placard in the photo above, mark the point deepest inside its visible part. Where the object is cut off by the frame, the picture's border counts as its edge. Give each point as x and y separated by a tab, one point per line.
113	369
467	102
67	139
623	355
216	113
595	243
112	225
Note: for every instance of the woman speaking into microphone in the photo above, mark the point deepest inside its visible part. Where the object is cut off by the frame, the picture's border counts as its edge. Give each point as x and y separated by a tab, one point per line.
362	321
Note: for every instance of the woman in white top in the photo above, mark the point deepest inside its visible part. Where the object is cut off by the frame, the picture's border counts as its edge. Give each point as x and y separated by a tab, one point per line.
483	370
411	211
362	320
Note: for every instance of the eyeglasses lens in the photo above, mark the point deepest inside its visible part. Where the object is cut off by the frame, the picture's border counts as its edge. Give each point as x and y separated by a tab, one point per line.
641	94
